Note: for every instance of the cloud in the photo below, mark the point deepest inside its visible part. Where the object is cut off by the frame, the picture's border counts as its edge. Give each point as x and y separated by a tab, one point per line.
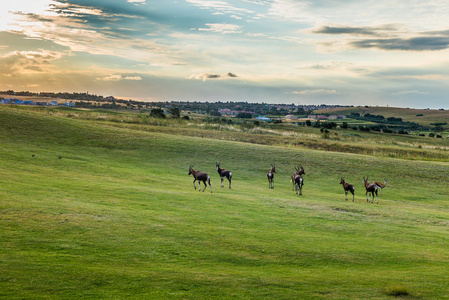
219	6
410	92
388	38
19	62
315	92
428	43
205	76
118	77
350	30
137	2
222	28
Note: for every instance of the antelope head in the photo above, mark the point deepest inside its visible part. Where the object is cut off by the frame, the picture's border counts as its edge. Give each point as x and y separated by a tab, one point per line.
365	181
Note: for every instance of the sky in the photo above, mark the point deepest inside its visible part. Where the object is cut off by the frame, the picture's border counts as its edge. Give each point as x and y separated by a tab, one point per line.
346	52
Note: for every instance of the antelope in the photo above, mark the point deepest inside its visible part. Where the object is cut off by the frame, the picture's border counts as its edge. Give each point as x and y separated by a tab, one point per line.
299	171
200	176
297	179
223	173
381	185
371	188
270	176
347	187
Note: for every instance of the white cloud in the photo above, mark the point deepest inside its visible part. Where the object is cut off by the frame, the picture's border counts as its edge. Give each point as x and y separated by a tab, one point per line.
132	78
219	6
315	92
137	1
222	28
9	20
410	92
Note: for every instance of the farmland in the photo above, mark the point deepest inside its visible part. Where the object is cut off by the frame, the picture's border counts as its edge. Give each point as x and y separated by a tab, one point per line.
98	204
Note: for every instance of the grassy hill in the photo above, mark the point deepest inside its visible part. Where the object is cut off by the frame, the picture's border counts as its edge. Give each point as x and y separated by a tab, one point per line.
91	208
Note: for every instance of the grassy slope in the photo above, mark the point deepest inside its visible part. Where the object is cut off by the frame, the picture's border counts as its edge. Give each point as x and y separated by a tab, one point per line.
118	216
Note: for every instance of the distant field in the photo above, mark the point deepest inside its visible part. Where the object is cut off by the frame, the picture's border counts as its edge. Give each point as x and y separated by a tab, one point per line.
420	116
33	98
94	207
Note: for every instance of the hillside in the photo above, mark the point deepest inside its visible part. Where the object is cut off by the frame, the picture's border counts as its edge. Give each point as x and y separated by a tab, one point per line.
95	207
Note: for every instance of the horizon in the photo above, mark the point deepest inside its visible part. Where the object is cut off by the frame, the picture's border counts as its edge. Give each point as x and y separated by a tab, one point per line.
256	51
211	102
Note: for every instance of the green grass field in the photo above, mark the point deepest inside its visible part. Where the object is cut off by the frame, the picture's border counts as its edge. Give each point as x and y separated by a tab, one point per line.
95	209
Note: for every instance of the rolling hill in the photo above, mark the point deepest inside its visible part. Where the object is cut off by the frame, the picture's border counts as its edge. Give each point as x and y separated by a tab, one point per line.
91	208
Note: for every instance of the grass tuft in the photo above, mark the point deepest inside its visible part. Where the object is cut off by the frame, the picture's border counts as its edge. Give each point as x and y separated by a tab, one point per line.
397	291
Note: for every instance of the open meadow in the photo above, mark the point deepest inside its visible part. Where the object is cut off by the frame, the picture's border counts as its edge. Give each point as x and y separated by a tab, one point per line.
97	204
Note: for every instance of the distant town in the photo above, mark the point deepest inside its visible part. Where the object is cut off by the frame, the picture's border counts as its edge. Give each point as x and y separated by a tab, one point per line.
307	115
230	109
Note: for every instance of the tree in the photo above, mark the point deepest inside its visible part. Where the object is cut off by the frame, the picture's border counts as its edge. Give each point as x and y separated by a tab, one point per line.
157	113
244	115
215	113
175	112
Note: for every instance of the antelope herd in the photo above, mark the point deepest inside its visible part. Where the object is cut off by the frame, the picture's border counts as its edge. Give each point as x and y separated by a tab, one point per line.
296	179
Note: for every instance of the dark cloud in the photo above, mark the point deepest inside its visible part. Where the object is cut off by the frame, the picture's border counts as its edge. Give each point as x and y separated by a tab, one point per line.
336	30
344	30
429	43
216	76
205	76
388	37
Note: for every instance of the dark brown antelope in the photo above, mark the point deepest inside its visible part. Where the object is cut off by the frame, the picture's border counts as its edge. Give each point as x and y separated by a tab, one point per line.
381	185
200	176
299	171
224	173
270	176
347	187
297	179
371	188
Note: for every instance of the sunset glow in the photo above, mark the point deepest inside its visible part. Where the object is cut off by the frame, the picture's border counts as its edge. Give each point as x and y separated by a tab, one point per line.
277	51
